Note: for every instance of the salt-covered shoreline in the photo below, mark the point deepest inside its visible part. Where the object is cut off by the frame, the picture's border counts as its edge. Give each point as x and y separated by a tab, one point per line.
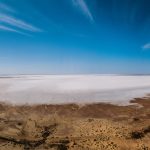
60	89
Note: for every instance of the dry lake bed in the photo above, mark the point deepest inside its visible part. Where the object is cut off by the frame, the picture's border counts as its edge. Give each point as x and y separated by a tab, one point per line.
74	112
60	89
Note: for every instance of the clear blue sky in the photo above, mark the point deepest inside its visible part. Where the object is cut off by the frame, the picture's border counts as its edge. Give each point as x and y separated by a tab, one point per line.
74	36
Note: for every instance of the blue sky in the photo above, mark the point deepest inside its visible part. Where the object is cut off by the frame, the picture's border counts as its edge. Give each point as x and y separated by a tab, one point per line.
74	36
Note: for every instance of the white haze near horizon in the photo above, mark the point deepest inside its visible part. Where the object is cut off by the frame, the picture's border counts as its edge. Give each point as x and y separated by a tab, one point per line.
59	89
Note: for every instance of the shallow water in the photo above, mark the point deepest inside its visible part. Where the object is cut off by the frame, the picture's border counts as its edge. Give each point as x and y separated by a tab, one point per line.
56	89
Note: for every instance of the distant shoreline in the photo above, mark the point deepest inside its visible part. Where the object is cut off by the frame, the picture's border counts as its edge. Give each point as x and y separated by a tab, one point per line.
16	75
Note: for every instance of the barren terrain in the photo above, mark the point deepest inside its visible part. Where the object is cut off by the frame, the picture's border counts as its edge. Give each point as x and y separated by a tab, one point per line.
76	127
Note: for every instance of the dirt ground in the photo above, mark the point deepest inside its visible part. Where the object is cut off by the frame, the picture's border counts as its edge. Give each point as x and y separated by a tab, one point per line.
74	127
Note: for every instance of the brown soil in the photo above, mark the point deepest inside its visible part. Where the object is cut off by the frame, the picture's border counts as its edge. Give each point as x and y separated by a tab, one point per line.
73	127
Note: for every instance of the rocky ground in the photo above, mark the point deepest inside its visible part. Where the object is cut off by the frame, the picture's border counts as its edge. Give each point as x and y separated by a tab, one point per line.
74	127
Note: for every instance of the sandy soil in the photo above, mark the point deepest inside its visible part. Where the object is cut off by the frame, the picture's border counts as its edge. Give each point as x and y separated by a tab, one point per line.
74	127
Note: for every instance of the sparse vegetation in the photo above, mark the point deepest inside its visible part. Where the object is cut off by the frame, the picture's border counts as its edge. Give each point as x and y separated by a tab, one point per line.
53	127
